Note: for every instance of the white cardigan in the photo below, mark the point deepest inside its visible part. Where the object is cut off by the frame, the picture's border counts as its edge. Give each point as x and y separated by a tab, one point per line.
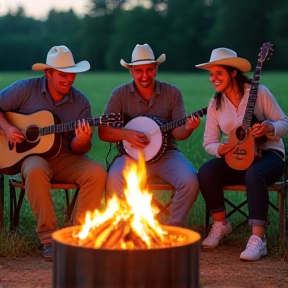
219	123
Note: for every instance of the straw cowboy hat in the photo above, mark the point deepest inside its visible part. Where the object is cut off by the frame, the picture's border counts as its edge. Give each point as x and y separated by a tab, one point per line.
61	58
225	56
142	54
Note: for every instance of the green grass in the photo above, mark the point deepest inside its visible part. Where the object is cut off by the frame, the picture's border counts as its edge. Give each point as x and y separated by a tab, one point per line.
196	90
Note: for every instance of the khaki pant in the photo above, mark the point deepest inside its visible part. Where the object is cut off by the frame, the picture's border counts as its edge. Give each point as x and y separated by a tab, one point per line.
66	167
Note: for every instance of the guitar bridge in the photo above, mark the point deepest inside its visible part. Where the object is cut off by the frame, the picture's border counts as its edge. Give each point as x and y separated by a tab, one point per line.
240	152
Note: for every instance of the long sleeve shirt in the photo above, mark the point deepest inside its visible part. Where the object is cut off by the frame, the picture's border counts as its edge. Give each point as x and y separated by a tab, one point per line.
219	123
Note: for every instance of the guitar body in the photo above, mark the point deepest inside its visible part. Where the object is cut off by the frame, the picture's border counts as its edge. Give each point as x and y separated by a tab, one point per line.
148	126
46	146
246	147
243	154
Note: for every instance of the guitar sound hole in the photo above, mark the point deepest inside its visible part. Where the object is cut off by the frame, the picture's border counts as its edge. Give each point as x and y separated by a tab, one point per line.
241	133
32	133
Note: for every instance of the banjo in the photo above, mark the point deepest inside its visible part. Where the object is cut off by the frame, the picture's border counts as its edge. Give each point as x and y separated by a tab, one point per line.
155	129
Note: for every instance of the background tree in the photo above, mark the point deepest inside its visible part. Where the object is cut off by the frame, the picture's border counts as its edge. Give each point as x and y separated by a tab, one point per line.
138	26
185	30
278	34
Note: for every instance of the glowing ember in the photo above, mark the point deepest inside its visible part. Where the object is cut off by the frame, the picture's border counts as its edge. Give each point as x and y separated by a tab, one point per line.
127	224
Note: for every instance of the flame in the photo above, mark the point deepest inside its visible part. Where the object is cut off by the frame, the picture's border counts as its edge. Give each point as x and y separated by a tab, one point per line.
136	213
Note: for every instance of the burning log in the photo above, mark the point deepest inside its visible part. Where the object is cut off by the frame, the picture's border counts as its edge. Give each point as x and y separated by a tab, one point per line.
117	235
120	235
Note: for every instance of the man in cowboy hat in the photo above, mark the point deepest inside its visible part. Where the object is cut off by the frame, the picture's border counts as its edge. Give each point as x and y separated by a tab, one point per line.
146	95
54	92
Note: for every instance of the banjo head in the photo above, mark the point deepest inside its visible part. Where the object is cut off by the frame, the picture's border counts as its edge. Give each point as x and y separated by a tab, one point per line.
151	129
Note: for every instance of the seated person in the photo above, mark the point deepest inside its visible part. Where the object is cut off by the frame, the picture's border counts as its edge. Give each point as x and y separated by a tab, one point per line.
225	113
146	95
54	92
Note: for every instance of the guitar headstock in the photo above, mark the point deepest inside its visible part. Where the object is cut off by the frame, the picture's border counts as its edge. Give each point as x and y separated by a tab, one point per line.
113	119
266	51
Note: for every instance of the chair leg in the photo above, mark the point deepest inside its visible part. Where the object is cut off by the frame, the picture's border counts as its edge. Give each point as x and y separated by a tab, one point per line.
12	206
281	210
1	200
70	206
18	208
15	206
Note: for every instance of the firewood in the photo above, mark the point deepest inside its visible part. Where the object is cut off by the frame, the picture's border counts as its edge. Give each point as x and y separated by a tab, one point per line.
137	240
116	235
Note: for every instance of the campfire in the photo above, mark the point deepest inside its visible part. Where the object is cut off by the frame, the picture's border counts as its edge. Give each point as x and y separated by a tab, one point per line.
124	246
126	224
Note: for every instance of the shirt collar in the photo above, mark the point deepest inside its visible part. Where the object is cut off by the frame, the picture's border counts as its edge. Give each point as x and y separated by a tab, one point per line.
158	87
68	97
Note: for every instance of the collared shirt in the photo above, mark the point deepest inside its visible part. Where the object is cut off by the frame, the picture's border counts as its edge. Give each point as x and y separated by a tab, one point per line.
166	103
219	123
30	95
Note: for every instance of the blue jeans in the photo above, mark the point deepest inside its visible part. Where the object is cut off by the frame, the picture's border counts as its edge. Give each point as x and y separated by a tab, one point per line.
214	174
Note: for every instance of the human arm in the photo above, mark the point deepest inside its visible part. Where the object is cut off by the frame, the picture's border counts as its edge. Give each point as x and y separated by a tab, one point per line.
137	140
178	111
13	134
81	143
184	131
273	121
117	104
212	133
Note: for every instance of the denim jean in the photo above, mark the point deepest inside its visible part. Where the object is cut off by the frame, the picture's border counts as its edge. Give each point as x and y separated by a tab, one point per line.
175	169
214	174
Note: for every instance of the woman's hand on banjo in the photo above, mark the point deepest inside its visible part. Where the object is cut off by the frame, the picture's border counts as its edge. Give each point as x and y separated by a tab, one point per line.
137	140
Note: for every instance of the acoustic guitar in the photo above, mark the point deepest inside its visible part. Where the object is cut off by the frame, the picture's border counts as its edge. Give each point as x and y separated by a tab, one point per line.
155	129
42	131
247	147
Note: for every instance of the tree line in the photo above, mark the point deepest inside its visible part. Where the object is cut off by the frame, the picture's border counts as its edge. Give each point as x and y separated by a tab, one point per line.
185	30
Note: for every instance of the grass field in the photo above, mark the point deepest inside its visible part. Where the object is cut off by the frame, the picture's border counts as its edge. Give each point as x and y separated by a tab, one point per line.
196	91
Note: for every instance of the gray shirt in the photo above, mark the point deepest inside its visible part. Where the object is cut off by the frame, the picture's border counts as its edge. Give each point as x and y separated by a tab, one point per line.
30	95
166	103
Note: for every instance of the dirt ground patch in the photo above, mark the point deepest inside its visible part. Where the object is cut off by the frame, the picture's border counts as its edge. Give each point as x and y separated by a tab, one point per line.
219	268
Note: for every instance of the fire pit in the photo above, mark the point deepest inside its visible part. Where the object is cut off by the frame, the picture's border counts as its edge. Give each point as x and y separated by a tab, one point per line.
125	247
77	266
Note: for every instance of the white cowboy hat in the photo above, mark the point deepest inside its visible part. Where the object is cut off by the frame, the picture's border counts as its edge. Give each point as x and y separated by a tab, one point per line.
225	56
142	54
61	58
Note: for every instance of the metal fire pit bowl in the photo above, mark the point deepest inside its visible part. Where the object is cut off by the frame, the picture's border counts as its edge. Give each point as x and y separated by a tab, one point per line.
172	267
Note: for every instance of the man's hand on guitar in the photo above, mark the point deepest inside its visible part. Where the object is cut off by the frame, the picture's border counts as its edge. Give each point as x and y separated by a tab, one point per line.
14	135
137	140
260	129
83	131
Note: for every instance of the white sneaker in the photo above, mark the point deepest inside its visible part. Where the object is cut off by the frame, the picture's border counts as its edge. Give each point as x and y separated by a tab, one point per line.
255	249
217	232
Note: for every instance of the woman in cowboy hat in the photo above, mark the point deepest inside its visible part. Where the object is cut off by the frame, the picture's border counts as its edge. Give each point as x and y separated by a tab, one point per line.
146	95
225	113
54	92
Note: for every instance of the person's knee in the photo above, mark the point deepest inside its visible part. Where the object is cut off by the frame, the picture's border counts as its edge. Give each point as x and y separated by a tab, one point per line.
95	171
115	184
36	167
253	174
34	172
193	182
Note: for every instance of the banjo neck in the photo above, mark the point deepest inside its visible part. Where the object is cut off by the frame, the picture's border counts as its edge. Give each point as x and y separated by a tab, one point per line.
179	122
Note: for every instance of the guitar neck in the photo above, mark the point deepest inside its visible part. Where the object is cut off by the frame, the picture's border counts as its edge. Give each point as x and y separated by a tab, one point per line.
247	119
179	122
69	126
